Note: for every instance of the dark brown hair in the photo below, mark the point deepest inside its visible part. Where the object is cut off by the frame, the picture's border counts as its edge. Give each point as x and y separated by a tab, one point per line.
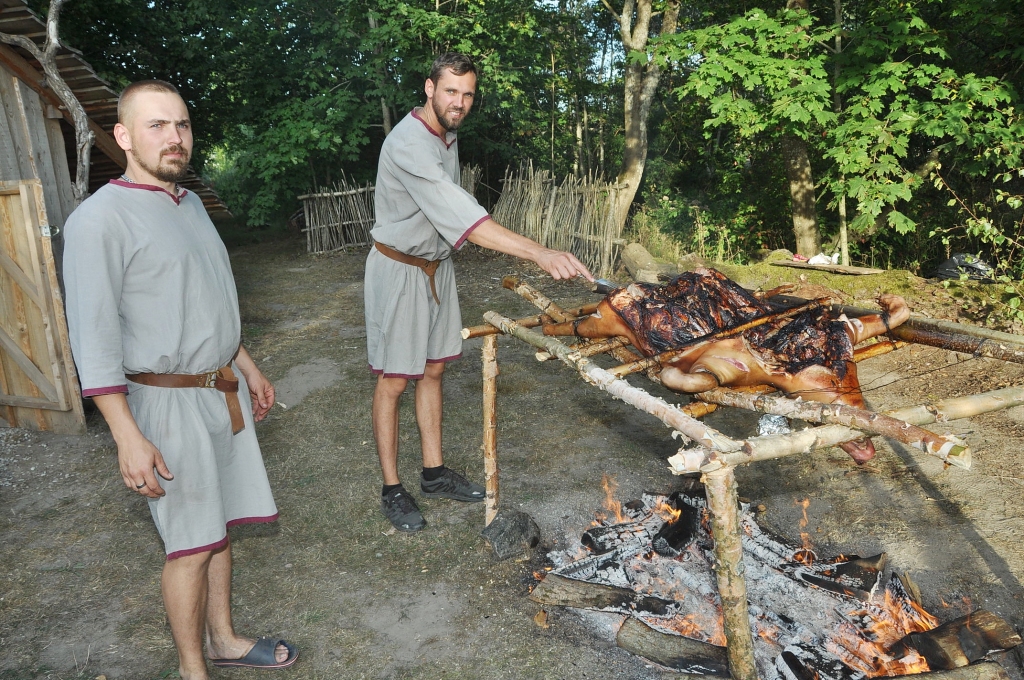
459	64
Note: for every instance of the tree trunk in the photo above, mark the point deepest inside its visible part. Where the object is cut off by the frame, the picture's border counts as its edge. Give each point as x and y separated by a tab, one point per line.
801	191
837	106
640	82
801	182
385	110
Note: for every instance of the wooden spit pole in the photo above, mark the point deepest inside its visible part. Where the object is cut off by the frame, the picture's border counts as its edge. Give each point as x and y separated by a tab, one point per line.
729	571
490	446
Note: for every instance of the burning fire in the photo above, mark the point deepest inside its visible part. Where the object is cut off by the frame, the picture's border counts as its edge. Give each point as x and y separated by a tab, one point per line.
613	506
696	627
667	512
882	625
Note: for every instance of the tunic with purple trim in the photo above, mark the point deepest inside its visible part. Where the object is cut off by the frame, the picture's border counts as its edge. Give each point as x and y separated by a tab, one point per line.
421	210
150	289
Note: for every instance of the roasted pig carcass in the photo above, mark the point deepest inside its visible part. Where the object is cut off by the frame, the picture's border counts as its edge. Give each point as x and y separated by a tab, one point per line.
809	355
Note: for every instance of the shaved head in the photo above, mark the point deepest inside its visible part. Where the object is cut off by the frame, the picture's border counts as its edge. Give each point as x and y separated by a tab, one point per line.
124	102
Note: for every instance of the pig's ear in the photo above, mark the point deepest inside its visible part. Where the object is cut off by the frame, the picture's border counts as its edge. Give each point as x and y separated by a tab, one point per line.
675	379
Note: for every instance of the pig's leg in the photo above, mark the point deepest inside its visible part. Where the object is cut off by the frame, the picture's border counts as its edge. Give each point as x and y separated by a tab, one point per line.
896	312
675	379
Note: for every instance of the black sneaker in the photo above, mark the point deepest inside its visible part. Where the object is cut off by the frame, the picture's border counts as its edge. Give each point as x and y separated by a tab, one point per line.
402	511
452	485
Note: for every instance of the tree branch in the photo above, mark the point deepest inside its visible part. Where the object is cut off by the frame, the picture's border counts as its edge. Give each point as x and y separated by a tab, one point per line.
46	57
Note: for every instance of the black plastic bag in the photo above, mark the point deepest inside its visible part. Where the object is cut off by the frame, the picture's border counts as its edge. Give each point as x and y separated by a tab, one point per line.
964	263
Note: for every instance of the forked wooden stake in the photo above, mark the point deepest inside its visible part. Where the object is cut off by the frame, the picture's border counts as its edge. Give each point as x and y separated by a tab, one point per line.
490	446
732	587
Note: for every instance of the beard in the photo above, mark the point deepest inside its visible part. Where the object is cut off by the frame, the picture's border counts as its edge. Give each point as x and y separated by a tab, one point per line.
449	124
167	169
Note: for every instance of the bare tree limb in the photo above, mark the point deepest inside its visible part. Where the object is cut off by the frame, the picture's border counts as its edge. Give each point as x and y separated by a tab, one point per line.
46	57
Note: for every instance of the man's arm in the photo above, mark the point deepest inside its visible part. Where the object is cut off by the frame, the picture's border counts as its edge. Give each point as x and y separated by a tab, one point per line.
261	391
136	455
560	264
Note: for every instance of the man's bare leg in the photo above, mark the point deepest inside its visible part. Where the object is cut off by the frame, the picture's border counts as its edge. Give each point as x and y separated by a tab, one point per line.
429	398
185	586
221	640
385	424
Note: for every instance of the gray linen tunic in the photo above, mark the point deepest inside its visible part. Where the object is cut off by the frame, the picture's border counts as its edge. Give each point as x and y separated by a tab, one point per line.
150	289
420	210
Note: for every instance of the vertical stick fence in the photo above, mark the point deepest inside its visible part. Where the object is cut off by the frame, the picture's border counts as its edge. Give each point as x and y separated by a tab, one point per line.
577	215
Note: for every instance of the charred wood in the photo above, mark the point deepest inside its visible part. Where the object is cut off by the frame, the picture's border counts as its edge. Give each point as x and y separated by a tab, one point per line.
962	641
511	533
984	670
568	592
673	651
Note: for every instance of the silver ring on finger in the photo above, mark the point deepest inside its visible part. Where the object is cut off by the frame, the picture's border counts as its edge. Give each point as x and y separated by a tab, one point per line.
139	486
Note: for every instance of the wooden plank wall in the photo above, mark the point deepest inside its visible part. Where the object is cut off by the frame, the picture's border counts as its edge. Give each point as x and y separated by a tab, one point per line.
32	147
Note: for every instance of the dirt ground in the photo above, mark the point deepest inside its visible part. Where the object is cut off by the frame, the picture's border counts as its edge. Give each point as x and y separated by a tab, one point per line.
80	564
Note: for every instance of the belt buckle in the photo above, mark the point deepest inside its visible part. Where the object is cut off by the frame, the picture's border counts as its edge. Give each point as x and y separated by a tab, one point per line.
210	379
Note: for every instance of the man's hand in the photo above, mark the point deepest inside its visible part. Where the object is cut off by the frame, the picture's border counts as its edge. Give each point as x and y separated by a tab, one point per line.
562	265
136	456
261	391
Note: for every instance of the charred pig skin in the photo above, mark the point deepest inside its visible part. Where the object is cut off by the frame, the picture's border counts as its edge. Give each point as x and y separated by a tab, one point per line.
808	356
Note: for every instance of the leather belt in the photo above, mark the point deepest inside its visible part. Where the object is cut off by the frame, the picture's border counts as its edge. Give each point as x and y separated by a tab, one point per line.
222	380
428	266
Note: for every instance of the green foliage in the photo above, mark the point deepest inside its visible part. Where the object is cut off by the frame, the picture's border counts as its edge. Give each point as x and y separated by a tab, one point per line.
908	107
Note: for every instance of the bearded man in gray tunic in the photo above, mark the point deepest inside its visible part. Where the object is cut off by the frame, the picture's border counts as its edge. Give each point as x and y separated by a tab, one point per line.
155	332
413	321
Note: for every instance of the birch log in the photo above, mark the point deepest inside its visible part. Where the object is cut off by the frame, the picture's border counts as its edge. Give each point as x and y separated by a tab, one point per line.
778	446
729	571
948	448
539	299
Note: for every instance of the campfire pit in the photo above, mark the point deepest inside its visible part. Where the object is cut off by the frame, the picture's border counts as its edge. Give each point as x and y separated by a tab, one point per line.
714	455
651	560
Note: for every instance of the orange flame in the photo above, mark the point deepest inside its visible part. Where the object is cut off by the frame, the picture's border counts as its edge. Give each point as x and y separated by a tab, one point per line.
613	506
887	622
696	627
667	512
805	538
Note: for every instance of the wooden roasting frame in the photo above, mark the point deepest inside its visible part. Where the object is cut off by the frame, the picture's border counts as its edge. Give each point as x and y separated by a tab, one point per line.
715	455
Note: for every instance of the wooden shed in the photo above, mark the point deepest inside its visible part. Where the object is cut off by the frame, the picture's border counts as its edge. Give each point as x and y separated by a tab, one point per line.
38	382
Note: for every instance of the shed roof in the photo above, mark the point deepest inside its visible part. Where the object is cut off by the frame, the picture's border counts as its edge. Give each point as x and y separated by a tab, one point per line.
97	97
